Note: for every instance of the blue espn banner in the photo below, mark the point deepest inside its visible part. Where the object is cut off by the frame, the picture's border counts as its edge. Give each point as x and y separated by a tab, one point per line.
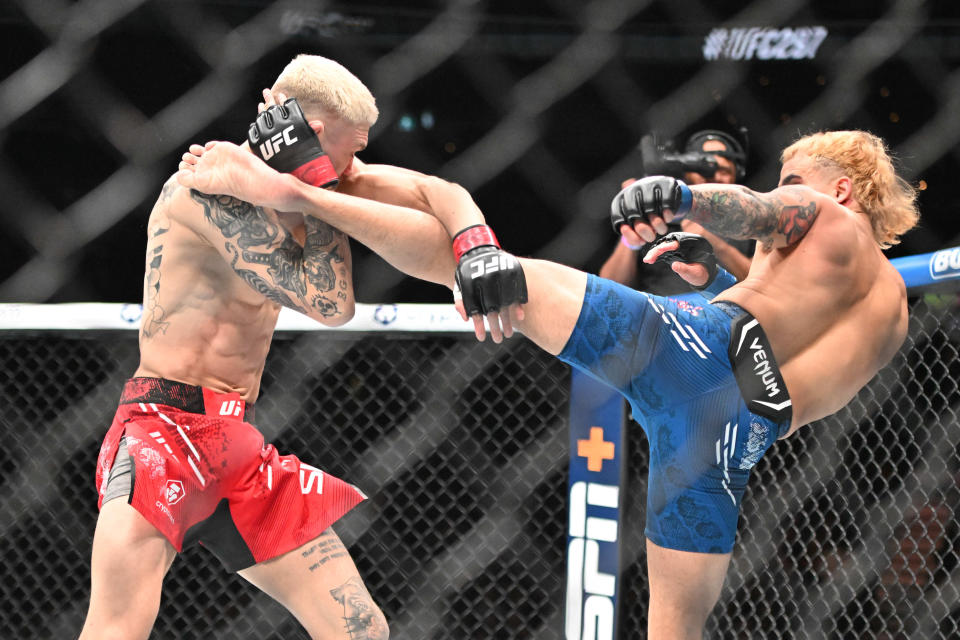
597	418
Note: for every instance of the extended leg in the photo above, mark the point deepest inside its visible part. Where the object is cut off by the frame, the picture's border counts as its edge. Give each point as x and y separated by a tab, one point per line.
684	587
319	584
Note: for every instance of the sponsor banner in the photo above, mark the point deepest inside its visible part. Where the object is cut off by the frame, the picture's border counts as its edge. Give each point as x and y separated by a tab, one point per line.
929	268
763	43
945	264
597	417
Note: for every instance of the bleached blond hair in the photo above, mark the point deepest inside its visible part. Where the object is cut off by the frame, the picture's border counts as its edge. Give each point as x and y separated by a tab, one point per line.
325	87
888	200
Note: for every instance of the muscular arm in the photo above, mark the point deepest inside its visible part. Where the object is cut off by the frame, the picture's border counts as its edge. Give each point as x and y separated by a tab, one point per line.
410	240
314	279
448	202
621	266
777	219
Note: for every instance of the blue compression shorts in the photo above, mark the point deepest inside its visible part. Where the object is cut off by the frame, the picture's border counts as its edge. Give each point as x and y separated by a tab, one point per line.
671	358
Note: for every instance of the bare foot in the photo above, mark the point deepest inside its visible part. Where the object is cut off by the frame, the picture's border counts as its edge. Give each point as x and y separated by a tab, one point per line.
223	168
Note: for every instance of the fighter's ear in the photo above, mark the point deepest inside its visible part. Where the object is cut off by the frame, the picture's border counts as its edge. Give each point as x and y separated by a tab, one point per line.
843	190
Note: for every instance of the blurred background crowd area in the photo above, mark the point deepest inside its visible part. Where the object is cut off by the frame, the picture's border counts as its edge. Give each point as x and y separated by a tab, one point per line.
536	107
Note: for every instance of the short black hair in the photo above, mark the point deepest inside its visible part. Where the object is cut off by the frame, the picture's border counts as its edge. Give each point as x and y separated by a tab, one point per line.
734	152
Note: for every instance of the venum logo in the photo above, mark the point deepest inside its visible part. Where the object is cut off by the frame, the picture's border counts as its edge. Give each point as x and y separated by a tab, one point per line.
174	492
589	608
270	148
763	369
945	264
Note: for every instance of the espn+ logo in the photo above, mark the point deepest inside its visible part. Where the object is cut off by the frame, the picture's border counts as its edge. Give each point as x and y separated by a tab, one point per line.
945	264
590	609
270	148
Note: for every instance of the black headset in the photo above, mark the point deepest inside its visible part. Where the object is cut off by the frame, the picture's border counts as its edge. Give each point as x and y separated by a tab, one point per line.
735	152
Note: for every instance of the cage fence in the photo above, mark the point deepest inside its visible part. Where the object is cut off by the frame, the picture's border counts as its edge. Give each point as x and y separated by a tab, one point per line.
536	108
848	528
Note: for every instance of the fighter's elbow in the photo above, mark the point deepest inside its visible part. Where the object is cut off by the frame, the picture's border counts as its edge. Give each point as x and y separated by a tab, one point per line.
438	186
336	314
348	310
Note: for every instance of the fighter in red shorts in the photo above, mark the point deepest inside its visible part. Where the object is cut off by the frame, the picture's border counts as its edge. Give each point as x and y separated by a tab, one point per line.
182	462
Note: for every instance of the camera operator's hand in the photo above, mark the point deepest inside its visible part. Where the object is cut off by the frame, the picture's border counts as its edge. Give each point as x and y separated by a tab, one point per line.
648	204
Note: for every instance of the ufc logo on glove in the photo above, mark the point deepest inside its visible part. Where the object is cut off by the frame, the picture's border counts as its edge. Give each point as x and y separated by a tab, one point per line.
497	262
272	145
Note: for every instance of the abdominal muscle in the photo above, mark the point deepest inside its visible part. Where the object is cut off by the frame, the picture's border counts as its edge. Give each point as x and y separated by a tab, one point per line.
832	323
211	330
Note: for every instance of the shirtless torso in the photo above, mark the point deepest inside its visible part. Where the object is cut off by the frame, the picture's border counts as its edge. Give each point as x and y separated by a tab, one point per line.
832	305
213	291
214	286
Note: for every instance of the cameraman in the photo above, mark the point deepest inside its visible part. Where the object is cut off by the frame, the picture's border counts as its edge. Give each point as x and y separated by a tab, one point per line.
721	159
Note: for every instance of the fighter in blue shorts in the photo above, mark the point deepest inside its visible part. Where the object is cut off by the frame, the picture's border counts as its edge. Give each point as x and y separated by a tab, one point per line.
674	360
715	383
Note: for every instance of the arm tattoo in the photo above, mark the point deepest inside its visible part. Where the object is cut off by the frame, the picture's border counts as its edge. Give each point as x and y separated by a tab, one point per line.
154	315
237	218
256	239
741	213
260	285
284	265
320	252
795	220
167	191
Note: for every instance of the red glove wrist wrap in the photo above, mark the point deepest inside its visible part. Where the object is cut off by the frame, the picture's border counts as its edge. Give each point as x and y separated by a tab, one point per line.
472	237
319	172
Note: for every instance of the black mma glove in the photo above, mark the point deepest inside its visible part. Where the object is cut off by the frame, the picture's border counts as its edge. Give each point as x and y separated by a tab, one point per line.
489	278
286	142
692	248
649	196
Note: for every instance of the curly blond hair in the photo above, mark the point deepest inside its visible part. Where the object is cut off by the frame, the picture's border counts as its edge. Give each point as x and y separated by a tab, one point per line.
325	87
889	200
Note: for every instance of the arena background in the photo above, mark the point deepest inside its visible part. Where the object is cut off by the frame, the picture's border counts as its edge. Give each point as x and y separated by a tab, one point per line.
536	108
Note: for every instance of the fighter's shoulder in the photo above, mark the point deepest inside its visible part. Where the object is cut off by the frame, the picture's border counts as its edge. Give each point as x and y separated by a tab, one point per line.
178	205
842	235
173	196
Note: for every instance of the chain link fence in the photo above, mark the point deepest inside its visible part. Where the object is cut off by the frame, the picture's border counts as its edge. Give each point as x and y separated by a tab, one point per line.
537	108
848	528
461	446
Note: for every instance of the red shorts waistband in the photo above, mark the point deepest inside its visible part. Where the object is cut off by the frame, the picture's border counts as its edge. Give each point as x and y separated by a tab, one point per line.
186	397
